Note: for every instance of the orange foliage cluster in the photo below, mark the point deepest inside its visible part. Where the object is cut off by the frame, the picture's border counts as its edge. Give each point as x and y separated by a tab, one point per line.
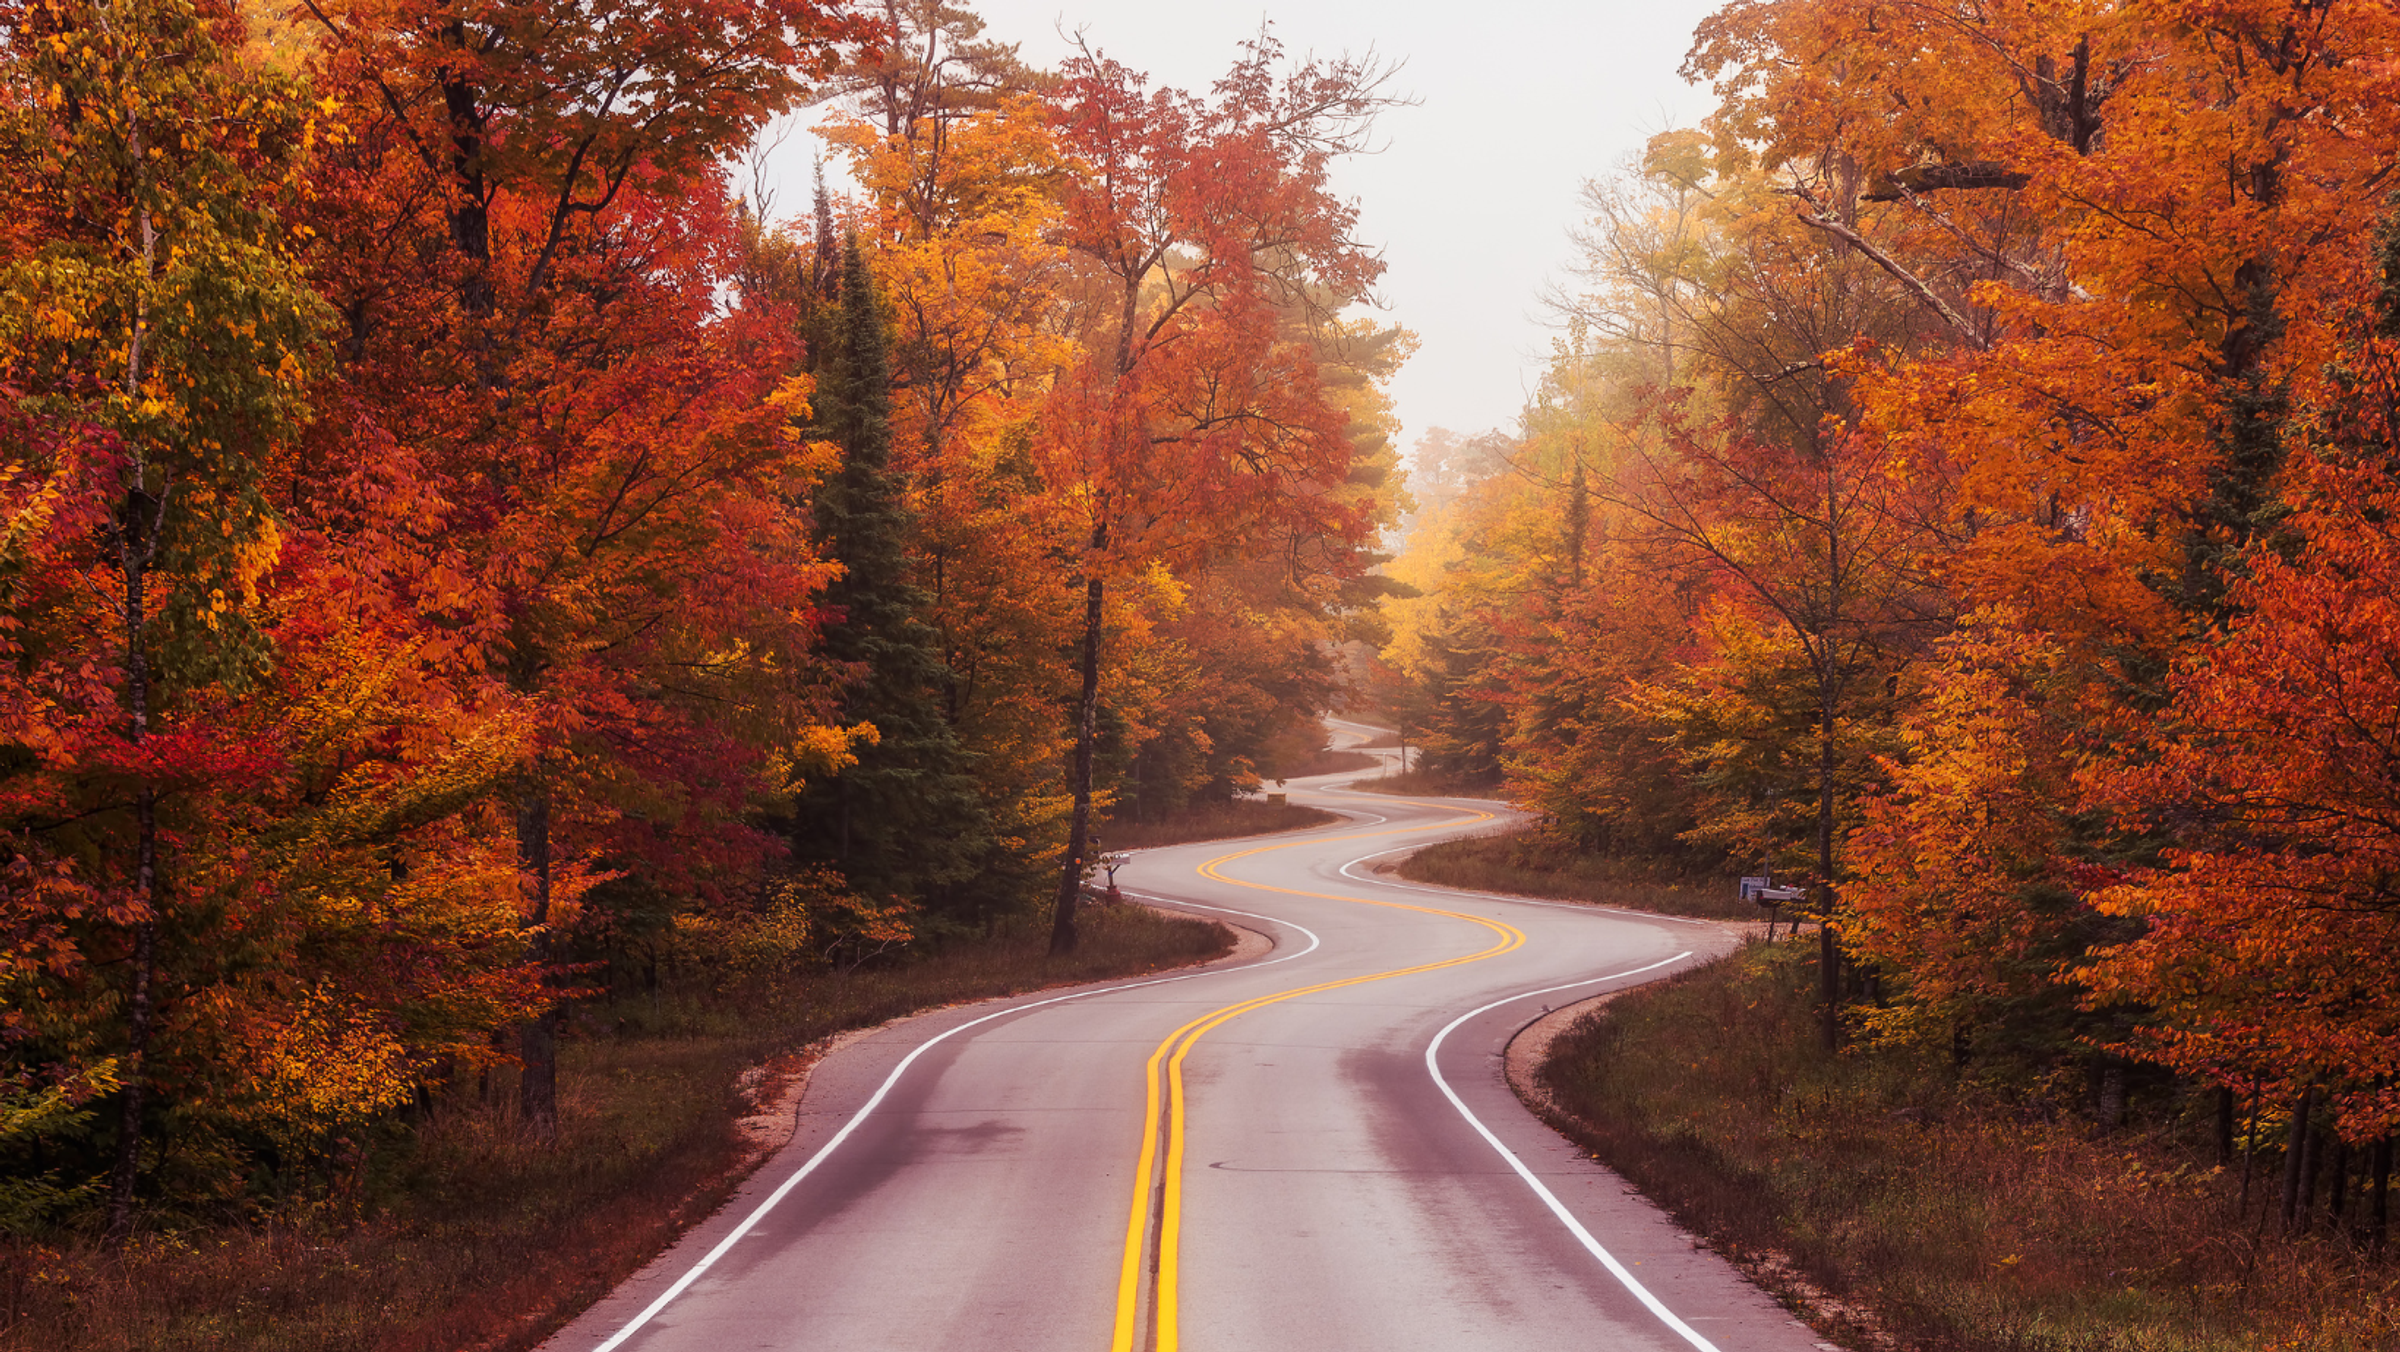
415	540
1966	489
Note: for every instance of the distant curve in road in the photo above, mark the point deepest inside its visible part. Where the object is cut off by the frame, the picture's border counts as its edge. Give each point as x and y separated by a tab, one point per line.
1315	1150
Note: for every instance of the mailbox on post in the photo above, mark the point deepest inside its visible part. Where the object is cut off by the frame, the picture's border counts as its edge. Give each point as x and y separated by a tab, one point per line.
1767	894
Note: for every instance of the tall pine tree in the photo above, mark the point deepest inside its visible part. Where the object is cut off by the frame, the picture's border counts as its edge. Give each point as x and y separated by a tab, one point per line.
906	820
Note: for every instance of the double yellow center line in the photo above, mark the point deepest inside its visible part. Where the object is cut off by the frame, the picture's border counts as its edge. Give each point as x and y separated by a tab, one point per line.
1168	1188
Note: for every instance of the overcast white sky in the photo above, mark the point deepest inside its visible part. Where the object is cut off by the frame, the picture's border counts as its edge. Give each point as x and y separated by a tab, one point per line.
1470	202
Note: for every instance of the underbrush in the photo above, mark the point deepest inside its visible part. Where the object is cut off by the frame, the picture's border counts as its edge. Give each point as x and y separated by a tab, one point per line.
1956	1217
1213	821
1526	863
465	1234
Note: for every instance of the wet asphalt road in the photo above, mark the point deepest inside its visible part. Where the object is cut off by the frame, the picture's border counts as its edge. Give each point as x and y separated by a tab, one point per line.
973	1178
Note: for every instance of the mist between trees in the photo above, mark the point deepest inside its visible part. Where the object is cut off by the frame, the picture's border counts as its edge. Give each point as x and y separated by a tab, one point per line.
1964	487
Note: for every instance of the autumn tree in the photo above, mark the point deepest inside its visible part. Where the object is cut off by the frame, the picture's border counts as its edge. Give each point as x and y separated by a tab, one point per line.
1191	418
959	168
611	435
1969	893
155	346
2268	929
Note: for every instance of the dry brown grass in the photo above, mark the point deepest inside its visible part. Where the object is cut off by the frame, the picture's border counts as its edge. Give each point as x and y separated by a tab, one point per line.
471	1236
1214	821
1526	864
1425	784
1957	1219
1326	761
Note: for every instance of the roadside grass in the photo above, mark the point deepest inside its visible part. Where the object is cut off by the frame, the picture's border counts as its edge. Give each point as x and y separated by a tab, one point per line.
468	1236
1425	783
1213	821
1904	1207
1526	863
1324	761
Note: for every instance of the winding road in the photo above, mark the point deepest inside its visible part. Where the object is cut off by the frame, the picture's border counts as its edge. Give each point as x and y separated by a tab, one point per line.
1314	1149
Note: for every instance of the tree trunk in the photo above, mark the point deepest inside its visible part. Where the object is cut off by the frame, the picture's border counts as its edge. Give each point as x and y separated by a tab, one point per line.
537	1038
2338	1196
1087	722
1829	955
137	544
1579	511
138	522
2294	1148
2110	1104
137	1043
2379	1219
2250	1149
2224	1126
2312	1163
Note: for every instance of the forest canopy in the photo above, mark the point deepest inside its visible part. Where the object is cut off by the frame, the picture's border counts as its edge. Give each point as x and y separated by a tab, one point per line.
458	548
1964	488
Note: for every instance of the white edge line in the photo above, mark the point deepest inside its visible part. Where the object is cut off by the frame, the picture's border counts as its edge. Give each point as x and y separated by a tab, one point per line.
1313	940
1549	1198
758	1213
1504	897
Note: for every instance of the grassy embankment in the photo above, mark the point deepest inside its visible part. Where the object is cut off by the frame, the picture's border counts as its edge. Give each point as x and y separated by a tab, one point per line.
1958	1217
1523	863
1423	784
1214	821
1324	761
469	1236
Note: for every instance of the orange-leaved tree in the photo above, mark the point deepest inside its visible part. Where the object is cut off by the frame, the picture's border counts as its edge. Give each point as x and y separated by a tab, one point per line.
1203	224
531	254
2269	931
153	355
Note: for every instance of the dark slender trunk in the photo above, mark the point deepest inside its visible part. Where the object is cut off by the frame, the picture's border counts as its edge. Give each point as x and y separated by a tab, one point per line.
137	1045
2379	1217
138	522
537	1038
2224	1126
2312	1163
1579	512
2250	1149
537	1084
1829	954
137	545
2294	1149
470	219
2338	1197
2109	1102
1087	722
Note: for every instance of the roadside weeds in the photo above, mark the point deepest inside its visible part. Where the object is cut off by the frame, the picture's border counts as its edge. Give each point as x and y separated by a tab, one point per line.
1519	862
473	1237
1894	1207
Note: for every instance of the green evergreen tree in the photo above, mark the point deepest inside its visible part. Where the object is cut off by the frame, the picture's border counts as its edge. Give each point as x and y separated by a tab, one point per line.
907	819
